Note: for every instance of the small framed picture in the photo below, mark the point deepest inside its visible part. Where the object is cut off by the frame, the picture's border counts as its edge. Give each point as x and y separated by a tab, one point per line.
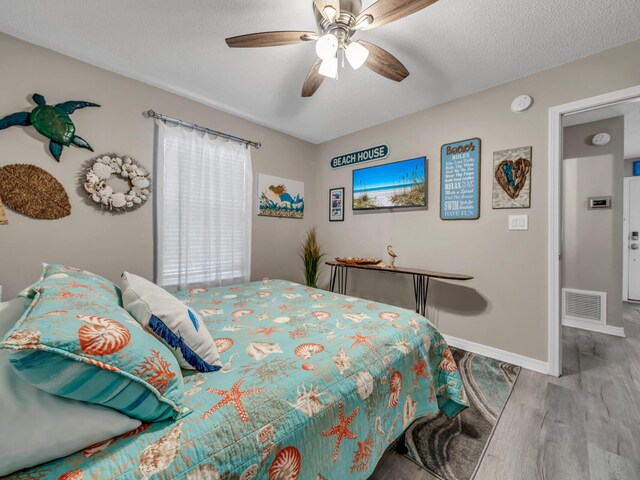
336	204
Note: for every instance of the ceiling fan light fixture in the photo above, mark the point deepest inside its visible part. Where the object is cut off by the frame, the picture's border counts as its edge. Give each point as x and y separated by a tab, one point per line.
330	13
329	67
327	46
363	21
356	54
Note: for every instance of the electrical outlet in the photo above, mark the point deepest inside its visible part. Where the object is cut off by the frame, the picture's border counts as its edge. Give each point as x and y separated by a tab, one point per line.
518	222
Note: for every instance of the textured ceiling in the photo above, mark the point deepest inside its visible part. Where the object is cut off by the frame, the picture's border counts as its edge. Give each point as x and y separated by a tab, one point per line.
630	110
452	48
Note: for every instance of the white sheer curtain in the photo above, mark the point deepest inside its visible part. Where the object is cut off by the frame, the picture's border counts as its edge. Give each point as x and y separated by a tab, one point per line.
203	209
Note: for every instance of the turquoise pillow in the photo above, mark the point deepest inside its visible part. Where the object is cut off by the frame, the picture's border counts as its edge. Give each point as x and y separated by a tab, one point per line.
80	344
64	276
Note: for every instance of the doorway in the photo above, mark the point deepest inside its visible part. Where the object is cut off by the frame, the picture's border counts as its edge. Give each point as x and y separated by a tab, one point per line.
556	115
631	248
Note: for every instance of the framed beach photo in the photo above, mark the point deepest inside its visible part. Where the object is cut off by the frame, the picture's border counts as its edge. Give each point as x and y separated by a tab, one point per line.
392	185
336	204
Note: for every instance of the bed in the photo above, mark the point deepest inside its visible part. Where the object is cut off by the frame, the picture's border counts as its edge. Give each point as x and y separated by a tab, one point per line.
314	385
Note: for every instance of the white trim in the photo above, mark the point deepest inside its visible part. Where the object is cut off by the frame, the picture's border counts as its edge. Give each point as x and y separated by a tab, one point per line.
554	227
502	355
595	327
555	172
625	240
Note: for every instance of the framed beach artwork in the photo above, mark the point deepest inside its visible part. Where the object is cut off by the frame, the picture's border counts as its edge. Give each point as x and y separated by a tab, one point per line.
280	197
512	178
392	185
336	204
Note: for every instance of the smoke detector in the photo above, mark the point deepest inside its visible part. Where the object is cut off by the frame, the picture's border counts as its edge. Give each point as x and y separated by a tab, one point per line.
601	139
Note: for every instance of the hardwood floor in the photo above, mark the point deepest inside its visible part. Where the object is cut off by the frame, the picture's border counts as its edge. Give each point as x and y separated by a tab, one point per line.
584	425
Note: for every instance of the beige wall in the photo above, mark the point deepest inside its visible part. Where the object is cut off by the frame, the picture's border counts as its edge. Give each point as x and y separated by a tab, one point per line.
505	306
99	241
592	239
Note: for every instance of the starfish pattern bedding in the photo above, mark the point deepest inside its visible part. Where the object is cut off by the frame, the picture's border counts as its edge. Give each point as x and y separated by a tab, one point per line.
314	385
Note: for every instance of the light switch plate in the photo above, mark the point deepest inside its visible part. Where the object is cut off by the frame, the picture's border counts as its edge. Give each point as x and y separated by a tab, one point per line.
518	222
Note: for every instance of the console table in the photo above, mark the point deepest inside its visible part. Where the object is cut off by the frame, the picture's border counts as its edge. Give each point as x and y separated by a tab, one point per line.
339	272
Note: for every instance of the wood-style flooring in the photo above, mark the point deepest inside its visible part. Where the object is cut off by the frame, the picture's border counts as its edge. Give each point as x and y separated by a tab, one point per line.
584	425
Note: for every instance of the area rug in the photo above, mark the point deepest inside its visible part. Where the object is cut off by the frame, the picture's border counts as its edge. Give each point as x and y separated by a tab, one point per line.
452	449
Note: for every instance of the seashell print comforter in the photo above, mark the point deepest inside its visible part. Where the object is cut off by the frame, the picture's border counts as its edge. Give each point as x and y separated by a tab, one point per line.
315	385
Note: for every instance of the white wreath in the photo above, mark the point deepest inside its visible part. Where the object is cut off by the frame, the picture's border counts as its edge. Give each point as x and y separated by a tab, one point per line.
103	168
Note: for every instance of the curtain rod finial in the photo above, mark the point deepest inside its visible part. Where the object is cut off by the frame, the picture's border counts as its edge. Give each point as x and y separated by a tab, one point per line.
149	114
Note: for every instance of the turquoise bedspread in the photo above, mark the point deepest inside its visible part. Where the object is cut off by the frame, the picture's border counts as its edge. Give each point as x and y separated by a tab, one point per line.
314	386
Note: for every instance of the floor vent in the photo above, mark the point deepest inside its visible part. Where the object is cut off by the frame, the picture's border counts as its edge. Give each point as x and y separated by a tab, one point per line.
583	305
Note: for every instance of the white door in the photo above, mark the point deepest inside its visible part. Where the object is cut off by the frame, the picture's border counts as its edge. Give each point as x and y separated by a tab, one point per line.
634	238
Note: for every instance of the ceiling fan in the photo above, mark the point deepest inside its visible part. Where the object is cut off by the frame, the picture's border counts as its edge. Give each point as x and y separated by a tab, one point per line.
338	21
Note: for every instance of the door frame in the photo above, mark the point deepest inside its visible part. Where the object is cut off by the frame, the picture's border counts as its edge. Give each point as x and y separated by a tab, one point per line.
555	206
625	240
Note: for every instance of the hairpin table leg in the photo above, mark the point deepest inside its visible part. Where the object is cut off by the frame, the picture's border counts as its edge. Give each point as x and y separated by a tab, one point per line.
339	277
342	280
344	283
332	282
421	290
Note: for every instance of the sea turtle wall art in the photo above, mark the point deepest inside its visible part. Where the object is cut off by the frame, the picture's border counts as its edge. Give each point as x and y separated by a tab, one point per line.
52	121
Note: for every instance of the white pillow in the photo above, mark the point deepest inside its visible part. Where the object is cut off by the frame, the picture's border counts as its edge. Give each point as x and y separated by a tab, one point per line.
38	427
171	322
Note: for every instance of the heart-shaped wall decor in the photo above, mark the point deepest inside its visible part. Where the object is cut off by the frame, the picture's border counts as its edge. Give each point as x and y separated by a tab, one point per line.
512	175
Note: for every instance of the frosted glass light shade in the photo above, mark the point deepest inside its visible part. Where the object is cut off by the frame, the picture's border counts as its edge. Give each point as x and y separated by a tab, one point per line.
356	55
329	67
327	46
330	13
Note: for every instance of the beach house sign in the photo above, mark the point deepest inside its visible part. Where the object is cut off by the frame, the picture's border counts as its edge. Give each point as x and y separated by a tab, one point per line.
366	155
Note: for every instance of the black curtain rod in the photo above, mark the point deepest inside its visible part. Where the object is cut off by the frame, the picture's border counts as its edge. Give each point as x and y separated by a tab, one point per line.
175	121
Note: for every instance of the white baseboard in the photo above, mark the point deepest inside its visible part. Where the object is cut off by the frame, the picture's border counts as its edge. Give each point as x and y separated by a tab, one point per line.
595	327
502	355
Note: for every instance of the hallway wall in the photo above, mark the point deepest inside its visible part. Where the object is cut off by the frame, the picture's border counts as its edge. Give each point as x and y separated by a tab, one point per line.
592	239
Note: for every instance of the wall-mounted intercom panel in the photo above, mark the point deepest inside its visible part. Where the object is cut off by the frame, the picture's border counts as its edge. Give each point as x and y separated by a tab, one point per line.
598	203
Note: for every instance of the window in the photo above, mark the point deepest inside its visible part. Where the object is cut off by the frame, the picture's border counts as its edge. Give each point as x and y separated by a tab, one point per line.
203	210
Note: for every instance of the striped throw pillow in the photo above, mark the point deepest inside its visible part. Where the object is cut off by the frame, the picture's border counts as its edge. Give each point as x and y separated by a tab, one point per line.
172	322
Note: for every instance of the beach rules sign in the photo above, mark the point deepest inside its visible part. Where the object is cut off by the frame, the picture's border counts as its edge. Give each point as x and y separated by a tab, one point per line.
366	155
460	180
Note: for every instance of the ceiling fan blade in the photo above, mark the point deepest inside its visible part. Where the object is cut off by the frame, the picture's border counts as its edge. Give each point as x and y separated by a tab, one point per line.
321	4
313	80
269	39
387	11
383	63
